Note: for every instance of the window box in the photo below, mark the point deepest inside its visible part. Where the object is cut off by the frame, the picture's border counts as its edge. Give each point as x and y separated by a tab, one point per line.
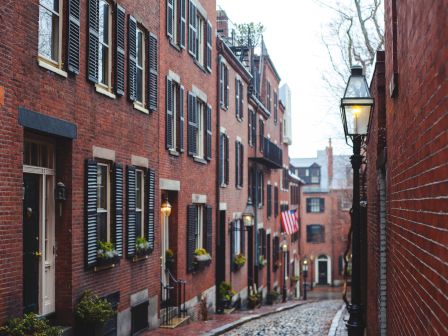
106	255
105	262
201	261
239	261
262	261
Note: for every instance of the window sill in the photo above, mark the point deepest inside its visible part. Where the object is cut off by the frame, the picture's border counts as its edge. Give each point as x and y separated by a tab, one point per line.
173	152
223	107
239	120
223	185
239	187
101	89
199	160
200	66
175	45
137	258
52	68
140	108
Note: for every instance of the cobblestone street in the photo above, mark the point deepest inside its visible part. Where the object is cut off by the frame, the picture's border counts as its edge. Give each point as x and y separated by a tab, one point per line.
308	319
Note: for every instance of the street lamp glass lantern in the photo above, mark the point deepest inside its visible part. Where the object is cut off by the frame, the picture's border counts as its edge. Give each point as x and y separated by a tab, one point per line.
248	214
305	265
166	208
356	105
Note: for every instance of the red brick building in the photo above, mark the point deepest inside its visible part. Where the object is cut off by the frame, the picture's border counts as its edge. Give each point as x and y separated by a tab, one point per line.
406	175
324	216
79	159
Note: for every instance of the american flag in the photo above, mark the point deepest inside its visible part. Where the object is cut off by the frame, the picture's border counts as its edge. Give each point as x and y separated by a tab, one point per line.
290	221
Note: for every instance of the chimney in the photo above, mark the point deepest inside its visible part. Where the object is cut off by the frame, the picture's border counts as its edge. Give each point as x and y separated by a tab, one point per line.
222	23
329	150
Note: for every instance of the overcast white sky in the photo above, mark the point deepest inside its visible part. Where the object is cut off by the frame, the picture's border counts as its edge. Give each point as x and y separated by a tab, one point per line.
293	40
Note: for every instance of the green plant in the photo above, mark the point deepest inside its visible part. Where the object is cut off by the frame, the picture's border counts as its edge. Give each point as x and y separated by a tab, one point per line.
262	261
225	291
169	253
200	251
239	259
92	309
141	244
30	325
295	278
106	250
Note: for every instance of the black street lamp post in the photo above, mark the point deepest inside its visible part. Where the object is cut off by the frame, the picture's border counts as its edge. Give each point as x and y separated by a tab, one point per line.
305	275
285	250
356	106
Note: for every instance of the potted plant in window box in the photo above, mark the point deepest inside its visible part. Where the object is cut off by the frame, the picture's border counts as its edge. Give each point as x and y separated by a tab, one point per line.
262	261
226	294
169	259
106	254
238	261
141	247
92	313
201	259
30	324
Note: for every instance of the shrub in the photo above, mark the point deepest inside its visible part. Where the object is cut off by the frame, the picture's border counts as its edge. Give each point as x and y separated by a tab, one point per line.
30	325
239	259
225	291
92	309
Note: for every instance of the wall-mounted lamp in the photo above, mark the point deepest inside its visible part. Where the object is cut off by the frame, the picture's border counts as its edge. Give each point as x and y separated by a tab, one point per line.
165	207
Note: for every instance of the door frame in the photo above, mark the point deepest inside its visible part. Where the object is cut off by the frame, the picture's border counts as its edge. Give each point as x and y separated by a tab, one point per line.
322	258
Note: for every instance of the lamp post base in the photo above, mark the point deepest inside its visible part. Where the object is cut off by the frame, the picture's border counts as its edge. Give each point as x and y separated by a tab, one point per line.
355	325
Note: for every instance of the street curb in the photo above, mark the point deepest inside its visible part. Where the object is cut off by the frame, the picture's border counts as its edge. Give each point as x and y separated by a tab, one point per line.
335	322
232	325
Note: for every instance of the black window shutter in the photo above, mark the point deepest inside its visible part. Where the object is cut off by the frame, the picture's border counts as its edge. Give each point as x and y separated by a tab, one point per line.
119	56
169	113
192	29
169	17
322	204
91	212
221	159
276	201
226	158
243	240
208	229
308	205
73	37
153	72
237	164
131	215
192	125
209	46
132	58
221	84
237	98
192	215
150	227
269	205
92	54
241	100
249	124
241	164
226	86
118	179
254	129
181	118
183	23
208	139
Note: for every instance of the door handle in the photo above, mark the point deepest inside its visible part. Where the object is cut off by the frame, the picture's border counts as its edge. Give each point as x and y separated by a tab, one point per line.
38	254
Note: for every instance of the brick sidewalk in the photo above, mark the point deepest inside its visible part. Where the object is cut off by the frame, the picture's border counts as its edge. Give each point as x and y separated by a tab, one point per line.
221	321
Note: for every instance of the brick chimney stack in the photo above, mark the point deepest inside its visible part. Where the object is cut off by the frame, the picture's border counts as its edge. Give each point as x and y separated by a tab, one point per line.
330	162
222	22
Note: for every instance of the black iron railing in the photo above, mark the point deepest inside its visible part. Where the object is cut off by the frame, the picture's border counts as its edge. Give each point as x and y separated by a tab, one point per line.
272	153
173	299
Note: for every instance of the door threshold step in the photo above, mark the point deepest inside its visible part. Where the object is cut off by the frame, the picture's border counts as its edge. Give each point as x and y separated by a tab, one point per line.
229	310
175	322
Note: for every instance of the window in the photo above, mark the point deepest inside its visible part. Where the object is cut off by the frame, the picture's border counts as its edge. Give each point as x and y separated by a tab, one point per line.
315	205
223	85
276	108
139	203
260	191
200	37
104	47
268	95
237	237
285	179
103	203
199	231
141	73
252	123
239	94
176	22
239	164
346	203
315	175
223	160
261	135
315	233
174	116
50	31
269	203
199	128
276	201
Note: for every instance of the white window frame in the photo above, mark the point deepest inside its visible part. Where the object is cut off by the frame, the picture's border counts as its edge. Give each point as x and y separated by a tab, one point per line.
200	227
200	38
222	159
237	238
200	135
108	84
44	59
175	19
140	208
107	209
142	67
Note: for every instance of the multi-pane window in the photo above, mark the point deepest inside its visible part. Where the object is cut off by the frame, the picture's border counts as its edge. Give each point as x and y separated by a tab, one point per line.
200	37
50	30
275	107
141	61
237	237
315	204
269	202
223	85
176	21
199	235
104	48
315	175
223	160
103	203
268	95
315	233
199	128
260	189
239	164
261	135
139	203
276	201
285	179
174	116
239	92
252	123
